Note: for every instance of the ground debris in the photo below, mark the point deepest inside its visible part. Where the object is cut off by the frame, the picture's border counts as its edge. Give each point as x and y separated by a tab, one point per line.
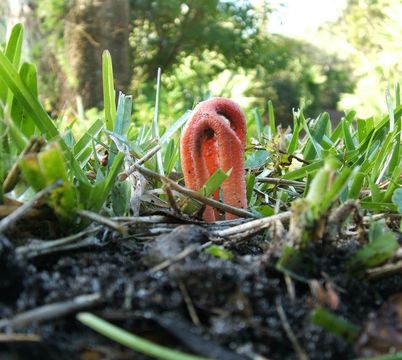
382	333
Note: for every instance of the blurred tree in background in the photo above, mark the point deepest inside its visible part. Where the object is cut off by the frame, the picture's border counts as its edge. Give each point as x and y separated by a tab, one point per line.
204	47
368	34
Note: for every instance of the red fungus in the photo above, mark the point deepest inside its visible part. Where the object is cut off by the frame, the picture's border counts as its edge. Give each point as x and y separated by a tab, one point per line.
213	138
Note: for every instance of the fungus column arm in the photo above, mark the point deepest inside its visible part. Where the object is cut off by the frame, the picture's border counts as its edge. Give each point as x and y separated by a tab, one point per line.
208	142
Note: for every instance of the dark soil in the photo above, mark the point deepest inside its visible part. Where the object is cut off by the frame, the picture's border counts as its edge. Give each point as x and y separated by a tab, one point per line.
236	302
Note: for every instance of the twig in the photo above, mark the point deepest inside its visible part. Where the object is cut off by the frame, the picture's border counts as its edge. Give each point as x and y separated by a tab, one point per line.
194	194
19	337
52	311
151	219
385	270
86	242
252	227
171	198
146	157
290	286
22	210
6	210
368	218
278	181
103	220
47	245
181	255
190	307
289	332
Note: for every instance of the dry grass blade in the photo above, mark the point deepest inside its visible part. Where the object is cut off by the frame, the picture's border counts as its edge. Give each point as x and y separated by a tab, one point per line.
384	271
46	245
181	255
102	220
253	226
19	337
52	311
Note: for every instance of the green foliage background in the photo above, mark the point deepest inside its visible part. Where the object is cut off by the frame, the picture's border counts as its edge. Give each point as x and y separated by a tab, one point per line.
204	48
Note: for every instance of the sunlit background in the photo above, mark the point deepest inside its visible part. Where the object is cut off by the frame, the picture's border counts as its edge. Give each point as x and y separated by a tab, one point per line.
328	55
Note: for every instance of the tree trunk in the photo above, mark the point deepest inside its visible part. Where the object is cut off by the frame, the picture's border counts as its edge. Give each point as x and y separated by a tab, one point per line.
91	27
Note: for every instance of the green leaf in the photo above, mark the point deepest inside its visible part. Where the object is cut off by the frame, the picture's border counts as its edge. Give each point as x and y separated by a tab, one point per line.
257	159
397	199
121	198
250	182
374	253
211	185
214	182
335	324
46	168
51	163
31	171
219	252
264	210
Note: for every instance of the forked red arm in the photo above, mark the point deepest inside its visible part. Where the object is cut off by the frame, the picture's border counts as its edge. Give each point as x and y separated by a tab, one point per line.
213	138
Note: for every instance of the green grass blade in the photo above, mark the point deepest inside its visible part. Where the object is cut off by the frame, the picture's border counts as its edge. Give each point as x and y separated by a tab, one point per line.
394	356
356	185
12	80
155	123
21	118
108	90
123	115
374	253
347	136
299	122
83	147
394	183
336	188
313	146
132	341
304	171
335	324
176	126
271	117
258	123
13	53
336	134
